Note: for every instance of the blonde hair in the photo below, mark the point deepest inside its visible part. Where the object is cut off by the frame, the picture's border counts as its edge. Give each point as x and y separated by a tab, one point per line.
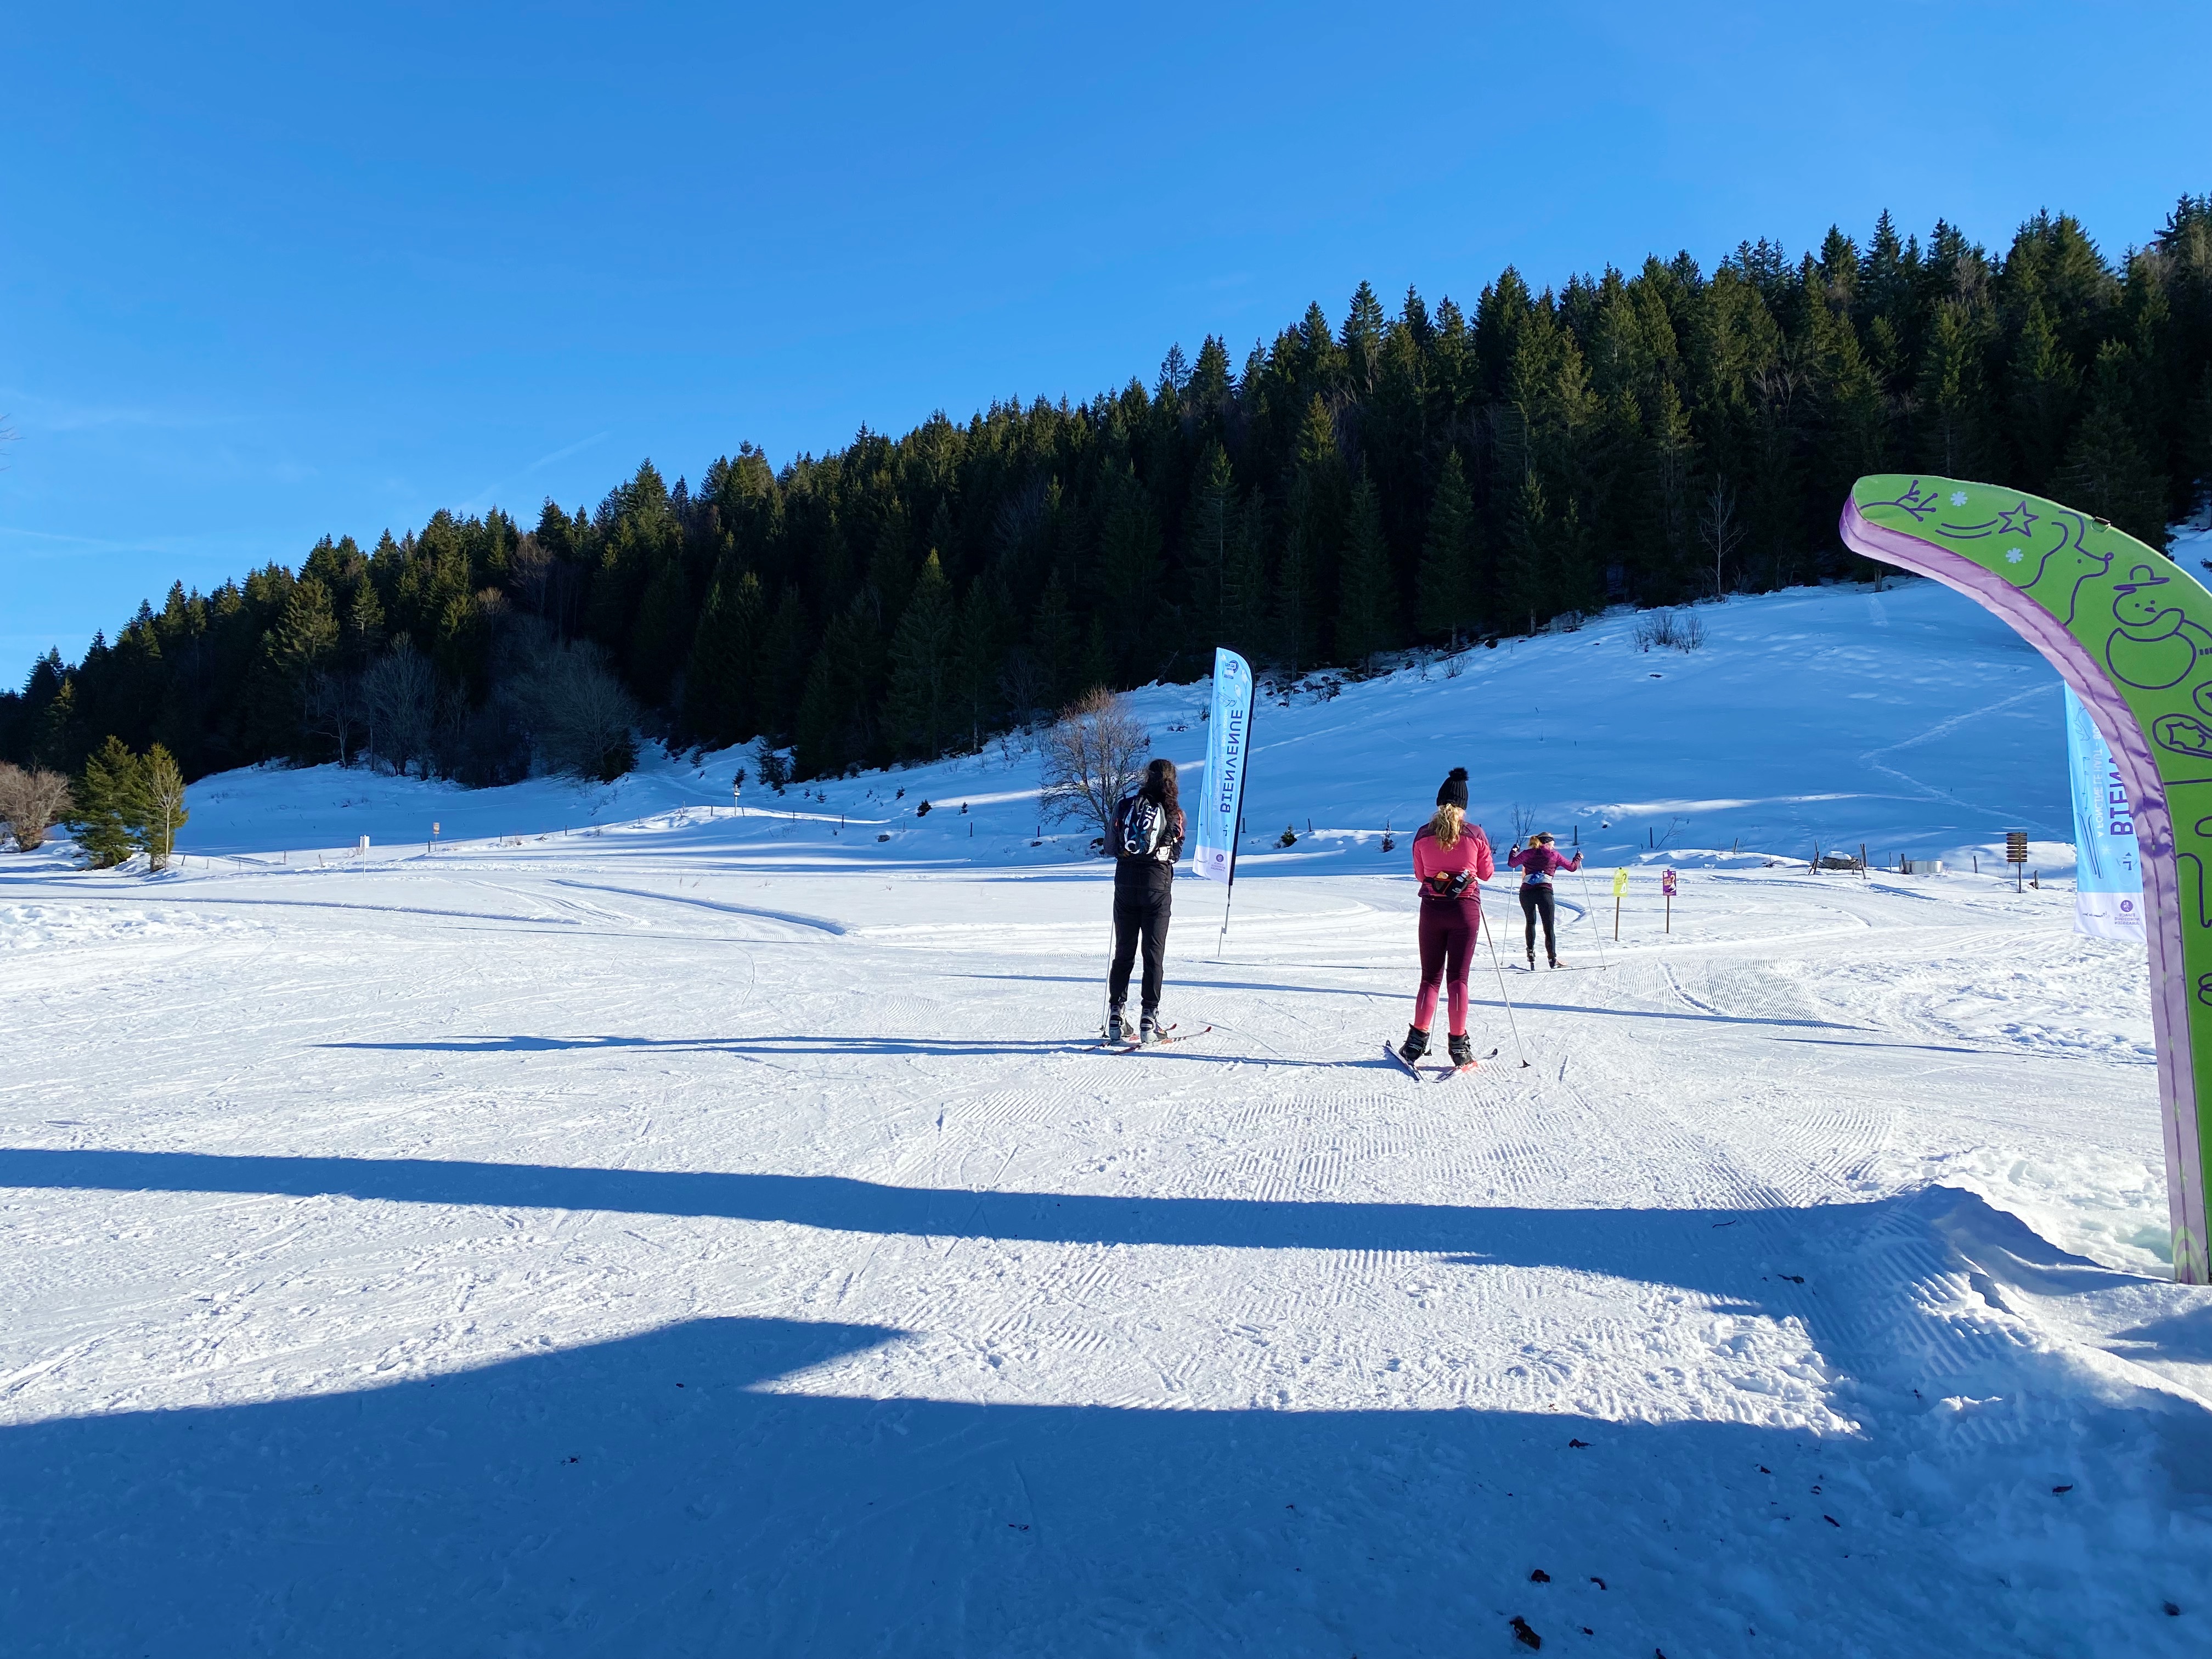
1448	824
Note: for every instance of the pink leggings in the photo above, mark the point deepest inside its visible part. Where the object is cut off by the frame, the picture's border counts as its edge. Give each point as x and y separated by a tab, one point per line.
1448	931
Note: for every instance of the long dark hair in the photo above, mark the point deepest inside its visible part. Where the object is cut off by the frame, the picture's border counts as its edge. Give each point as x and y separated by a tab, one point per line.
1159	785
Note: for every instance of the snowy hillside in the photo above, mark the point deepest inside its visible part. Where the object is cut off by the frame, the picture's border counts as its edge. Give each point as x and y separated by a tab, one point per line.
637	1227
1909	721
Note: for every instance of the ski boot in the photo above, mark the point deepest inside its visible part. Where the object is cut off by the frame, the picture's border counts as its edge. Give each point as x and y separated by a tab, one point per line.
1556	963
1148	1028
1115	1030
1532	958
1462	1050
1415	1045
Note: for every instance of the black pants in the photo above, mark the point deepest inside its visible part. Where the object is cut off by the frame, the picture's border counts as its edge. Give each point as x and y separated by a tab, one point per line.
1536	900
1140	913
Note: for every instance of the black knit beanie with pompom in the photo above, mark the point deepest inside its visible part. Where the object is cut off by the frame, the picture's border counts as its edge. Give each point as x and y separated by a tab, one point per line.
1454	793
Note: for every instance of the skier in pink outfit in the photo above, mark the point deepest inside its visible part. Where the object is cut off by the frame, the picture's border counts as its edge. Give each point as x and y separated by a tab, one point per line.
1537	864
1450	856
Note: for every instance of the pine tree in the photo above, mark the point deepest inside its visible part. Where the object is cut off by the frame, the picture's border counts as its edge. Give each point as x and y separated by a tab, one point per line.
980	656
363	635
1297	581
156	807
922	662
107	795
1245	590
1128	569
305	636
718	679
2044	383
785	660
1208	526
1367	598
2106	473
1446	581
660	634
1522	571
1052	644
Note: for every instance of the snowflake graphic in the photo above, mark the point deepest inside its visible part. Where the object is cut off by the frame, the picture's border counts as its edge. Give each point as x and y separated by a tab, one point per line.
1958	498
2013	556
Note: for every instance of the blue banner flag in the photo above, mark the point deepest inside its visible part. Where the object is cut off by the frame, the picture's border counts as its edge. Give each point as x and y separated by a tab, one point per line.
1227	743
2108	873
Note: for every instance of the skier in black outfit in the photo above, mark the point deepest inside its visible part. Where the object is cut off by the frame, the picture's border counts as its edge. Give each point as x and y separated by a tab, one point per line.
1146	840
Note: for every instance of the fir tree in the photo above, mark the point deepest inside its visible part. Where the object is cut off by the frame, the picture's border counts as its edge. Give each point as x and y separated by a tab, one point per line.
718	679
1208	526
784	666
923	659
156	806
1129	570
1446	579
2044	384
1522	572
1367	597
1052	644
107	794
2105	472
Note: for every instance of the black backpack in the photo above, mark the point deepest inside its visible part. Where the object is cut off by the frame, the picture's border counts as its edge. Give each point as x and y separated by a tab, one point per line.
1146	830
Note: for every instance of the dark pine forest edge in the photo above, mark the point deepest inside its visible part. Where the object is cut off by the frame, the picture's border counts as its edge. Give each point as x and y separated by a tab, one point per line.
1351	490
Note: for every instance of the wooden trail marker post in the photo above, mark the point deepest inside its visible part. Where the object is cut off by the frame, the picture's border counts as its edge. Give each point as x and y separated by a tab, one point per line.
2016	854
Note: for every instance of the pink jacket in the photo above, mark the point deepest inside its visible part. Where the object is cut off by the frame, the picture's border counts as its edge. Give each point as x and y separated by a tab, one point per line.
1437	865
1536	864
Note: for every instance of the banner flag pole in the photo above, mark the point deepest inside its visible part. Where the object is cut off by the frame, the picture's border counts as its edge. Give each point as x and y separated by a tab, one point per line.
1228	751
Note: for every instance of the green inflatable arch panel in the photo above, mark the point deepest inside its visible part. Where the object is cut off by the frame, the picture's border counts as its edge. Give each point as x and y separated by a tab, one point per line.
2131	633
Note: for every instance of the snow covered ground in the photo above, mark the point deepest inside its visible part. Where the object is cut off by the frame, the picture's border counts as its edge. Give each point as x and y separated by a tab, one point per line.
636	1227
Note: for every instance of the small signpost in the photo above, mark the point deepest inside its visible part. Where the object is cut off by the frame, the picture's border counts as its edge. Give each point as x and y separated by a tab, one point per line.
2016	854
1619	887
433	846
1667	886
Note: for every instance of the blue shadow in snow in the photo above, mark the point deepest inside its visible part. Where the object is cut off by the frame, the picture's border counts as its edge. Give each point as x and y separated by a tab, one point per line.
650	1496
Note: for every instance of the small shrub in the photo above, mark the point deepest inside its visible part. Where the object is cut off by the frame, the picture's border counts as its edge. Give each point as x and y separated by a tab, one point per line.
1669	630
30	803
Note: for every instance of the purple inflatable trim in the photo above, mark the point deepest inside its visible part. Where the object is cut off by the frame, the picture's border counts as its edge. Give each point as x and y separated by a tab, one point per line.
2116	722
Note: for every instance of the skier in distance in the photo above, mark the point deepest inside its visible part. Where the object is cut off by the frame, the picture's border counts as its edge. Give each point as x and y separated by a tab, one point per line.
1537	862
1450	856
1146	840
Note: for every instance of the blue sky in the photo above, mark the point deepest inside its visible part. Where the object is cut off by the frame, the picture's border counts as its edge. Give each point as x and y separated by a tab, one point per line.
265	275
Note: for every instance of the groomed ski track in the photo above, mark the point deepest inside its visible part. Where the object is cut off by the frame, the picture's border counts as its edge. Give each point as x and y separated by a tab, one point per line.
676	1242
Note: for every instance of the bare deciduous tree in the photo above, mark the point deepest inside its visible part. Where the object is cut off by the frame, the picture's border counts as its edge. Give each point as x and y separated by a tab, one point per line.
1722	531
330	707
399	696
1093	755
577	717
30	803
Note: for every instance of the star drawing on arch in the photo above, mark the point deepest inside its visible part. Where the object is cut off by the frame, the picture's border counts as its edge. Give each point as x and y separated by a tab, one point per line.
2015	521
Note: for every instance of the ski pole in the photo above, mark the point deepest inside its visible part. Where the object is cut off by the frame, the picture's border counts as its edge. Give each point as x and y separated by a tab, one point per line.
1511	1024
1590	910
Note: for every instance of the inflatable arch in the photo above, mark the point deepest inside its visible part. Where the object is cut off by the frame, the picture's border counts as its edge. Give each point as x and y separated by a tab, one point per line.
2132	634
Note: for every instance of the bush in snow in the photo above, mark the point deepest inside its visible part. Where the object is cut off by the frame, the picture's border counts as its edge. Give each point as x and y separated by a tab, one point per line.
1672	630
30	803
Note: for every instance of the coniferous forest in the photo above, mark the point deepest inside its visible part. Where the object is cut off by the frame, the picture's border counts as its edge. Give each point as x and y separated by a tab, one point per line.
1408	474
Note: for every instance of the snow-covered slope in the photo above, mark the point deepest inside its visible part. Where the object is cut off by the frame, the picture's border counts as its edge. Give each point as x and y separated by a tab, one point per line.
1908	719
638	1228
